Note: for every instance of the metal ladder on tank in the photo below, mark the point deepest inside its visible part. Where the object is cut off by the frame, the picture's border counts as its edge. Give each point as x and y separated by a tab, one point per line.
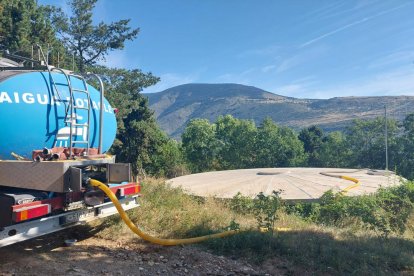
70	115
71	119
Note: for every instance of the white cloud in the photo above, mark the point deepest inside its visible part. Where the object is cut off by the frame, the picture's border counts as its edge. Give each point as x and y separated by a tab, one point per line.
291	63
393	83
326	10
298	88
271	50
304	56
316	39
169	80
347	26
291	90
268	68
117	59
395	58
243	77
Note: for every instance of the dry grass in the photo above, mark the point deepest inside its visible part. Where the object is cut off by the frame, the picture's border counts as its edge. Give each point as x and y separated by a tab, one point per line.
170	213
351	249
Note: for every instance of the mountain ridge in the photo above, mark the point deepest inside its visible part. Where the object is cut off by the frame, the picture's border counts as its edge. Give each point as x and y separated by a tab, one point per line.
176	106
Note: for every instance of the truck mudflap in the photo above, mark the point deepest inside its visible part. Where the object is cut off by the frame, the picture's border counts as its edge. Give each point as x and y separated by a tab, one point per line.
39	227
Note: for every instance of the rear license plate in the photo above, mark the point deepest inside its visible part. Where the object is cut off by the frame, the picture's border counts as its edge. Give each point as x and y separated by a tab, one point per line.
76	216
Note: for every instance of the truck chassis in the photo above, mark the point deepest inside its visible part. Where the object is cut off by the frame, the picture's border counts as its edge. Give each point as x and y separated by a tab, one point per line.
46	225
38	198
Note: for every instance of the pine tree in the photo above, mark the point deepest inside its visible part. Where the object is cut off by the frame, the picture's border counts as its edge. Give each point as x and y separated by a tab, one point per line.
90	43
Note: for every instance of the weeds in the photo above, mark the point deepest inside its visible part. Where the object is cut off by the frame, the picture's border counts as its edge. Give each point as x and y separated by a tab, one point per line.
265	210
241	204
263	207
385	212
333	236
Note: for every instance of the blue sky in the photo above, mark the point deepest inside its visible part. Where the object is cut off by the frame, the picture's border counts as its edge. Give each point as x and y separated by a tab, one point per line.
305	49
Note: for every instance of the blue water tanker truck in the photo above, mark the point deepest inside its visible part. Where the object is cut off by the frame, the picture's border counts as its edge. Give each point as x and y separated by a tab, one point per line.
34	116
55	133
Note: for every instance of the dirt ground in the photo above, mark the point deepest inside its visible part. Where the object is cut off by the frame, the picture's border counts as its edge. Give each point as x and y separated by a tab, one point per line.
92	255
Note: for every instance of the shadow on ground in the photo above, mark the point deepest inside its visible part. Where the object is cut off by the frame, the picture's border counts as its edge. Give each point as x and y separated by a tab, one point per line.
92	255
293	252
319	252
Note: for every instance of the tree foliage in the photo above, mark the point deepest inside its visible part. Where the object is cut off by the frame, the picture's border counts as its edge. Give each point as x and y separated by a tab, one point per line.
24	24
405	162
200	145
124	88
312	142
236	142
169	160
334	152
277	146
231	143
139	140
90	43
366	141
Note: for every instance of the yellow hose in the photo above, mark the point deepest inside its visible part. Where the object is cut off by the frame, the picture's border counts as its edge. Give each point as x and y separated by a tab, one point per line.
145	236
346	189
356	183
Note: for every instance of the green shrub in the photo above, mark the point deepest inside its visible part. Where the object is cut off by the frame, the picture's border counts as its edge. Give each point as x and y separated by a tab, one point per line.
386	211
307	211
241	204
333	208
265	209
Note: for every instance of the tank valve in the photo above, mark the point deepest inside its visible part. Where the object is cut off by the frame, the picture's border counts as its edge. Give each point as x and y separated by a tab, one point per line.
55	156
46	151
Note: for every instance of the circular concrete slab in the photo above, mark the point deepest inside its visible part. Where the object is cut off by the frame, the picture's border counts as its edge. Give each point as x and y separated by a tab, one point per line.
295	183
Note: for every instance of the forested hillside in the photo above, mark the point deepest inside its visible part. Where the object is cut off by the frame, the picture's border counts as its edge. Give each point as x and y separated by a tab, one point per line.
176	106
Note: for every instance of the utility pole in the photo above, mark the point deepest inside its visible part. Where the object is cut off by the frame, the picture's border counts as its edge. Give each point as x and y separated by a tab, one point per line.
386	138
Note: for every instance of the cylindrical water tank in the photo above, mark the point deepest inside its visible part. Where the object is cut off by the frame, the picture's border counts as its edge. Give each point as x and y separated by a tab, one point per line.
33	113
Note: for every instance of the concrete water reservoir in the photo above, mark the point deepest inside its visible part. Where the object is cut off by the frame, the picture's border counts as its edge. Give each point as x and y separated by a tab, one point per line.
295	183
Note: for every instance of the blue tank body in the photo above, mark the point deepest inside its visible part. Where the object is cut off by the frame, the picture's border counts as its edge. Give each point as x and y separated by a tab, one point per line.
32	114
